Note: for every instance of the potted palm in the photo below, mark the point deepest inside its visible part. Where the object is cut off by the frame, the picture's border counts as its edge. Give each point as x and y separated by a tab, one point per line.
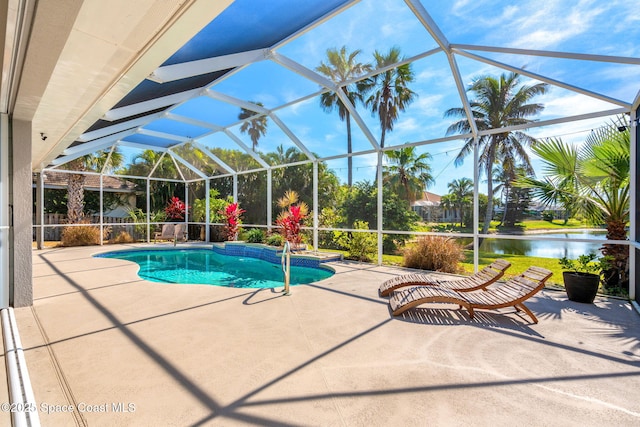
582	276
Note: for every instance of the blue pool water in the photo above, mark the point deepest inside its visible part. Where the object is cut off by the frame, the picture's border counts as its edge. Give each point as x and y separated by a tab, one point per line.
203	266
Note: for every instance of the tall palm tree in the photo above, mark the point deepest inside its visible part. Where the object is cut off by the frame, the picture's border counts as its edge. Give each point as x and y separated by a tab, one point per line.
408	174
342	67
162	167
592	180
389	90
256	127
498	103
461	196
75	185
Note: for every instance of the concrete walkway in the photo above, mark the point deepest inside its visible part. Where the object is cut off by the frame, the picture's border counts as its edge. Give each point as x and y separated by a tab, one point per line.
117	350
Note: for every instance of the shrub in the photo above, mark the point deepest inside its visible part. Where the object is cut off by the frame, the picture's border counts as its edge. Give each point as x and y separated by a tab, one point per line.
547	216
361	246
275	240
82	235
123	237
233	218
435	253
175	209
255	235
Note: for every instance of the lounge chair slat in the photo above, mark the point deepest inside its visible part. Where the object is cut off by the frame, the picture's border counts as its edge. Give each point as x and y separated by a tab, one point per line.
479	280
512	293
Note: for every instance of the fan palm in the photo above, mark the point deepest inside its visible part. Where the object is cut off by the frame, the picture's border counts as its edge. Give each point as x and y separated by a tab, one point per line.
408	173
342	67
498	103
255	127
391	93
592	180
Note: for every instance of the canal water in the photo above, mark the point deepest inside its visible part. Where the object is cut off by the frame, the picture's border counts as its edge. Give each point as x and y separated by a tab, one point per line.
547	248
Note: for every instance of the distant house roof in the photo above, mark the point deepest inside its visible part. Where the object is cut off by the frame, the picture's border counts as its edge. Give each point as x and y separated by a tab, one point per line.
428	199
58	180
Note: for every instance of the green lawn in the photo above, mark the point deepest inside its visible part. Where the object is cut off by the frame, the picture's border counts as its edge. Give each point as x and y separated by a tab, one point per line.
519	263
530	225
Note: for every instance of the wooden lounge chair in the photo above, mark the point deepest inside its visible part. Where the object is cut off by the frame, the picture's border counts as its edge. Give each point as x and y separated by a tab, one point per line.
479	280
172	232
512	293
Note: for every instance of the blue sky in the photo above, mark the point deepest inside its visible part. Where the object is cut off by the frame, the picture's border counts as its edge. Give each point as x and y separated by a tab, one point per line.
601	27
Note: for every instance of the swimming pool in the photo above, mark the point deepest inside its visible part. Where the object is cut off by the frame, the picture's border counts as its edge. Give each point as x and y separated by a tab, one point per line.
206	267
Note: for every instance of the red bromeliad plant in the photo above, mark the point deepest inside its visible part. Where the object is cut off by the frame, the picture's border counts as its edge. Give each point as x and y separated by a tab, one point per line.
175	210
233	212
292	217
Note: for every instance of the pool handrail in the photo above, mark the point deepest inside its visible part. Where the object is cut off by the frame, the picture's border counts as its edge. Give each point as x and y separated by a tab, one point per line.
286	265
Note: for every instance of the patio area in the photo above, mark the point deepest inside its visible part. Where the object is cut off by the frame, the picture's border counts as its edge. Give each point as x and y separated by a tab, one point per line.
139	353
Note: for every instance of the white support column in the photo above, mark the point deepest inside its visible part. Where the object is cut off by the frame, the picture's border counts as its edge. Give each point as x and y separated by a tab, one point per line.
380	204
269	198
186	208
235	187
207	216
4	211
21	201
148	209
316	209
101	210
476	204
40	210
633	169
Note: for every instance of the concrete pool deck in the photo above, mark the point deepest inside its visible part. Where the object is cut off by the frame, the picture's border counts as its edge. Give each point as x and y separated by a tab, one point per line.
119	350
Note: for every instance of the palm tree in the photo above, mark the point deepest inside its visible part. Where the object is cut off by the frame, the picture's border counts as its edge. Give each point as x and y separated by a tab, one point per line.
163	167
498	104
391	93
340	68
408	173
256	127
75	185
592	180
461	196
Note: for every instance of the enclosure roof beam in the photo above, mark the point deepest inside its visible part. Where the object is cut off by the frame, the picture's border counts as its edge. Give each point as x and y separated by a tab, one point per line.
163	135
150	105
235	101
193	169
184	70
246	148
550	54
427	21
108	130
215	158
190	121
543	78
292	136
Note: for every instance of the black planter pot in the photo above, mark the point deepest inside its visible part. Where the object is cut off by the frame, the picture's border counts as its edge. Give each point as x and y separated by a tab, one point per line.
581	287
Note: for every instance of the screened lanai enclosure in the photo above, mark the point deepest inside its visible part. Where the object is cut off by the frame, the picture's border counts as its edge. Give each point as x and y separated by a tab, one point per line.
390	119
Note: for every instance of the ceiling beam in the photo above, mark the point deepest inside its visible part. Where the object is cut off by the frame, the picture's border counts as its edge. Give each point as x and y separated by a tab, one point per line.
551	54
169	73
427	21
235	101
150	105
542	78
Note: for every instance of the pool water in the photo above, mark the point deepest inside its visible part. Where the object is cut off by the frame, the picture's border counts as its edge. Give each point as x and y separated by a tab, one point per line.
205	267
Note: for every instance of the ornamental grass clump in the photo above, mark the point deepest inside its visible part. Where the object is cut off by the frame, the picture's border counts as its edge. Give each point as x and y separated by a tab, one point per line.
82	235
434	253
